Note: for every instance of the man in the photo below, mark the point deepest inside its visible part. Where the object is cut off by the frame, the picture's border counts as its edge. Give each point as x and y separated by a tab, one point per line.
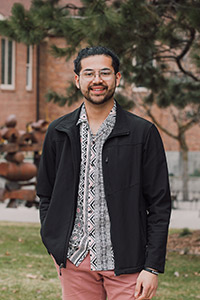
104	192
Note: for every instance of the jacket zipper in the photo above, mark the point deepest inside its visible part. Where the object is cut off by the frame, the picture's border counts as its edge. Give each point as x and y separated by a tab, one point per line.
110	137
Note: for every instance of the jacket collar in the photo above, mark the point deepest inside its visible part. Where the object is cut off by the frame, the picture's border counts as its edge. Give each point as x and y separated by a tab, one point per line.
121	127
69	121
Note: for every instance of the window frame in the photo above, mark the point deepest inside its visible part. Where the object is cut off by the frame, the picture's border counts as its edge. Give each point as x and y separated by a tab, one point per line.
29	68
6	85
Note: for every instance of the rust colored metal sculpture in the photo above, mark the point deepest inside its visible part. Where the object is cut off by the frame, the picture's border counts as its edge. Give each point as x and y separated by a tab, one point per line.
20	175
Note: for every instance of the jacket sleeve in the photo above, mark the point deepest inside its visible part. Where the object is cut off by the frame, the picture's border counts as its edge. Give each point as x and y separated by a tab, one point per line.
156	192
46	175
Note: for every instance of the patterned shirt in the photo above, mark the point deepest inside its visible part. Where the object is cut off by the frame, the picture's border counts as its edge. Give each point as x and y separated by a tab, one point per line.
91	232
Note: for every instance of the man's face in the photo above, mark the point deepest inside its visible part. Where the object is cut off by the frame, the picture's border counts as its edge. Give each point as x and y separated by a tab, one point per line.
97	80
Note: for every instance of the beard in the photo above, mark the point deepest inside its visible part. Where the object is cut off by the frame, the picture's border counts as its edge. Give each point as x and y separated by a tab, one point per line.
98	99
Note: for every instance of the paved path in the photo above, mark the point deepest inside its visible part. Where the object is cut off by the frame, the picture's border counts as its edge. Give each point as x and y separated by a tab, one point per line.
180	218
20	214
185	219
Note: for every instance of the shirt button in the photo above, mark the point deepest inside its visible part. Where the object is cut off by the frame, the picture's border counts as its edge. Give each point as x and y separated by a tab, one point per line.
106	160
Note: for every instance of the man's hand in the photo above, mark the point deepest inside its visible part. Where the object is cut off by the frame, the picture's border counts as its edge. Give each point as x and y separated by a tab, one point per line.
146	285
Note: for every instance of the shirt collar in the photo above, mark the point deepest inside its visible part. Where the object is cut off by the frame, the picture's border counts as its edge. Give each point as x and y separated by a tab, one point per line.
83	115
108	121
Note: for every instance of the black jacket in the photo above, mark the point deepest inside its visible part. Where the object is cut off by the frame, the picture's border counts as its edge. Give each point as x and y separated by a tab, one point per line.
136	188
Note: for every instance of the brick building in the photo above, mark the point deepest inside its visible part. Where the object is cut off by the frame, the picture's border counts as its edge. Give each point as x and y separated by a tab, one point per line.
28	72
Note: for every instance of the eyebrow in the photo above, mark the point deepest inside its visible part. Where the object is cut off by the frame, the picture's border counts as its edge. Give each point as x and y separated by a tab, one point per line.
88	69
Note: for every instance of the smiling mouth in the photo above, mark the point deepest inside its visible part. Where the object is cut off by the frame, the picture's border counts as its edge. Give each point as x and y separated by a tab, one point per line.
97	89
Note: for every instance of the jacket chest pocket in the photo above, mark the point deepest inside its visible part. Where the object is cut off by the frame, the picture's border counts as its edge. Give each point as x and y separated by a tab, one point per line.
122	166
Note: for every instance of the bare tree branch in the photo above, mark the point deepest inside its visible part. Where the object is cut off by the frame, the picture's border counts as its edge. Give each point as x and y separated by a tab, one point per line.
191	123
184	52
147	111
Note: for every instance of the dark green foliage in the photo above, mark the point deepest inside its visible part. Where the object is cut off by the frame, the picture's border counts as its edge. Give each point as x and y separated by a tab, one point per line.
21	26
124	102
73	95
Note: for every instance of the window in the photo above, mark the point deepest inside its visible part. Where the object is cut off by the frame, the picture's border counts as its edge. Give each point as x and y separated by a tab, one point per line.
7	63
29	68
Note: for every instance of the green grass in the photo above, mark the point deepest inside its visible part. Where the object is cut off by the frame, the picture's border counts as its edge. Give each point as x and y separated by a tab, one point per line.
186	285
27	271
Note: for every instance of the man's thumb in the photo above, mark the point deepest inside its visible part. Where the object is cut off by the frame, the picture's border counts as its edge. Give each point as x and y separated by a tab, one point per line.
137	289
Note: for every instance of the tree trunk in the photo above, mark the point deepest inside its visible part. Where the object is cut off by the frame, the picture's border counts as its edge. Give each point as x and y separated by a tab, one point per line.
184	167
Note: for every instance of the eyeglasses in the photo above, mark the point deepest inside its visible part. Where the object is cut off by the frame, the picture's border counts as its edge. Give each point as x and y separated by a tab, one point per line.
89	75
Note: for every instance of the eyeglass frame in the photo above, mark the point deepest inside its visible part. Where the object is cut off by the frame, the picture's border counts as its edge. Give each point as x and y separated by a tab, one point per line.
95	73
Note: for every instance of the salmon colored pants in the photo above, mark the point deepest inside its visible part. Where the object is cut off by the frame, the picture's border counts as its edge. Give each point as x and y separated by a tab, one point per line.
80	283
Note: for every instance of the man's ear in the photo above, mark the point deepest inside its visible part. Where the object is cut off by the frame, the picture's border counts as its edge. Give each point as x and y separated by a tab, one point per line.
118	78
77	81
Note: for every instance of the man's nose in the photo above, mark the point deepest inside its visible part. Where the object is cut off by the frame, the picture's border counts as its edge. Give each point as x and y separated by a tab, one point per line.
97	78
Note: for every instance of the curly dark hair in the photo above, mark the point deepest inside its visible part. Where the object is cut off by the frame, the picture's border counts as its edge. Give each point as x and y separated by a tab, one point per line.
97	50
